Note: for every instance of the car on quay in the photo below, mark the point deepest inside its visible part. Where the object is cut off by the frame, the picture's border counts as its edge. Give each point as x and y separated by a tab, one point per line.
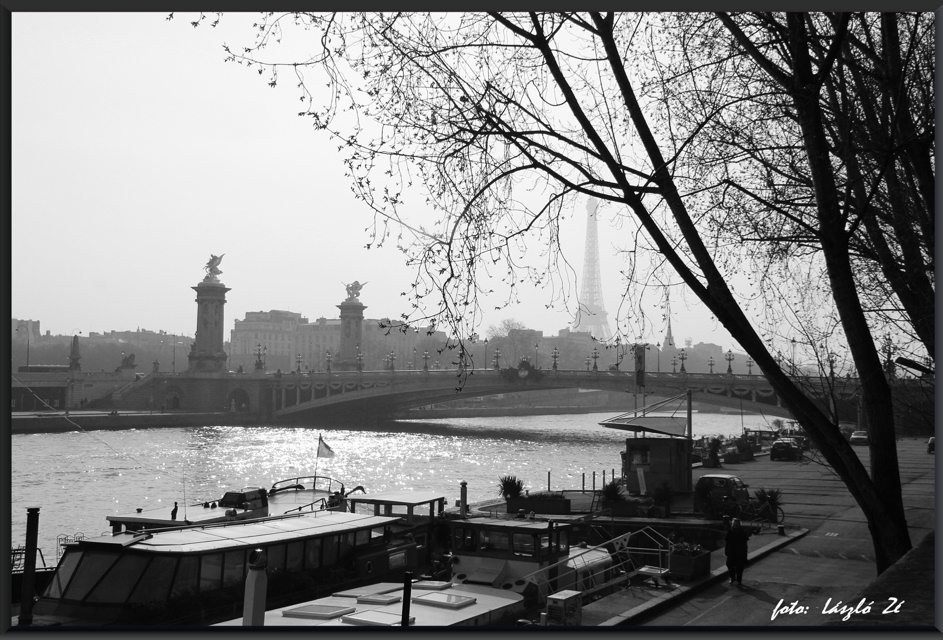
859	437
931	445
784	449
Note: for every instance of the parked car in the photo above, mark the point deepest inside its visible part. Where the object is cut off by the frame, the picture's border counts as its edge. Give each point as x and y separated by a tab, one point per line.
931	445
784	450
714	491
859	437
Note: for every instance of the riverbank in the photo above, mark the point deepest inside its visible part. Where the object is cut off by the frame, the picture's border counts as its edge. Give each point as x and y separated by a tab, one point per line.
24	423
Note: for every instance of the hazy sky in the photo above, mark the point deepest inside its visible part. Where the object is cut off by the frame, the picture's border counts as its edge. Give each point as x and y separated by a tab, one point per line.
137	153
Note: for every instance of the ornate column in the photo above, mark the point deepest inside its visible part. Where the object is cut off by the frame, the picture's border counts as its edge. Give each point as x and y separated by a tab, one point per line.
206	352
351	329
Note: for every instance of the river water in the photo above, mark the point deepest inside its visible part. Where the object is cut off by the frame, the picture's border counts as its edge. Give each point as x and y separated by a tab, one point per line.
78	478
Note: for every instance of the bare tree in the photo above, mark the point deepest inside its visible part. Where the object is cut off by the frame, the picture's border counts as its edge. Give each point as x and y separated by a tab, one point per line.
503	120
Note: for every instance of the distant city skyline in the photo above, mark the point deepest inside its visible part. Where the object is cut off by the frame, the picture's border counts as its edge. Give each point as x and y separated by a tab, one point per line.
166	155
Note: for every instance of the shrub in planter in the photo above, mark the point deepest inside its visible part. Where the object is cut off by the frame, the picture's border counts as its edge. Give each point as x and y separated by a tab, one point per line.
688	561
744	448
713	453
510	487
773	497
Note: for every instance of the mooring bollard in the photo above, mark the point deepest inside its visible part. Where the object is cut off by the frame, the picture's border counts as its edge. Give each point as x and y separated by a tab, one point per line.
253	606
407	592
781	529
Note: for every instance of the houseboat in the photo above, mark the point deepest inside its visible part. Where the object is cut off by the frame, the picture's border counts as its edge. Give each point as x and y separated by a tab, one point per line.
195	575
292	495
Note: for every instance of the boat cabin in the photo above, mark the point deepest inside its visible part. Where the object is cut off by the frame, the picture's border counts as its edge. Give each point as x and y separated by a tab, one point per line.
196	575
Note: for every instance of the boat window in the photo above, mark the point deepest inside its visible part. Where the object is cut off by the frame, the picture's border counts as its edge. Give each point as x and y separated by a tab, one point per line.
545	547
523	544
61	578
465	539
234	567
347	543
563	542
397	560
276	557
495	540
154	585
185	580
211	572
362	537
295	555
330	550
93	567
313	553
119	582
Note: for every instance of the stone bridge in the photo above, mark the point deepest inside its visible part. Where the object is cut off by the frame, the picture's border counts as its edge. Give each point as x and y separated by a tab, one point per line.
309	398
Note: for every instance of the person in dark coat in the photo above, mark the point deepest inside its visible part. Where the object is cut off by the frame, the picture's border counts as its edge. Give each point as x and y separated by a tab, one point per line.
173	512
735	549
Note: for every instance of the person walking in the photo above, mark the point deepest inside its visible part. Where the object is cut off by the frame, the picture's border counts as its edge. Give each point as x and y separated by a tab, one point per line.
173	512
735	548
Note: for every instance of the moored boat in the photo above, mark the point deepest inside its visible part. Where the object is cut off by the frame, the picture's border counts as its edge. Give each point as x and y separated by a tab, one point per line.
195	575
291	495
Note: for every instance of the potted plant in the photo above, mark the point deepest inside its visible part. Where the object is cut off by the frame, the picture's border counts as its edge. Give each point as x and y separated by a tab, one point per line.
744	448
688	561
510	487
731	455
713	454
613	498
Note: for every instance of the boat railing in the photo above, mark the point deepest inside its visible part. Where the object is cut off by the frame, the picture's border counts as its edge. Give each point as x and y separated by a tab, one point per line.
63	539
18	558
592	581
317	483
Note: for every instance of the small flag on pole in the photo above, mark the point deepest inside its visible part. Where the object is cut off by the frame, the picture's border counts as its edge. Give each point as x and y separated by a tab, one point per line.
324	451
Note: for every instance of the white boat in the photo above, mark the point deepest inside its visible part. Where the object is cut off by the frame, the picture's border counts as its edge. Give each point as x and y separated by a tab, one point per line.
195	575
292	495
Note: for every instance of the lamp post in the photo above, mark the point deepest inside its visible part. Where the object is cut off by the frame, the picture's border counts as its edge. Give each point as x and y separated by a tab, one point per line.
595	357
425	360
831	367
683	356
729	359
485	359
710	363
329	357
298	362
750	366
414	361
437	366
793	365
674	363
535	355
359	359
258	356
392	361
173	362
497	359
555	354
23	325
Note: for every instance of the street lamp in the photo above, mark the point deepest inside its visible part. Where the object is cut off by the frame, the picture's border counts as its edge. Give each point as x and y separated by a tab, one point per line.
425	360
392	360
683	356
497	358
23	325
359	359
595	357
555	354
587	362
729	359
710	363
414	361
674	363
535	355
750	366
486	355
793	365
329	357
298	361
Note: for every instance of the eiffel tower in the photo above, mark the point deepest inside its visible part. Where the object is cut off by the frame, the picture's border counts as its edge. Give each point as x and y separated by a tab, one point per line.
592	316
